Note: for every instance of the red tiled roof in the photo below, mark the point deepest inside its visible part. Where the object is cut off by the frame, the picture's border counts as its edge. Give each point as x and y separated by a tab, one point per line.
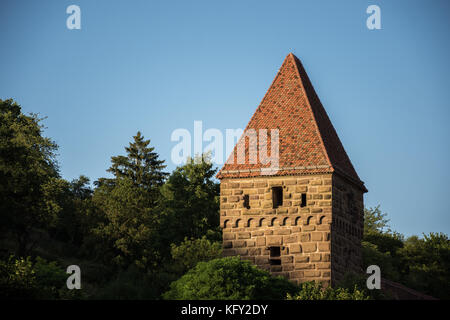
308	142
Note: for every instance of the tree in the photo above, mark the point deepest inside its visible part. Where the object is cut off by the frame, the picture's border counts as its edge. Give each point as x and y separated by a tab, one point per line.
129	204
76	213
428	263
190	203
27	167
229	279
375	221
190	252
141	166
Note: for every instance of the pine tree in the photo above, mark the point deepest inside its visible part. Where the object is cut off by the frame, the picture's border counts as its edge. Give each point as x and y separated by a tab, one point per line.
129	203
141	164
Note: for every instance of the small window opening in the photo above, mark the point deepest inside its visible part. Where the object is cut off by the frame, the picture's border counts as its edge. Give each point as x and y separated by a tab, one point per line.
277	197
303	203
275	256
246	201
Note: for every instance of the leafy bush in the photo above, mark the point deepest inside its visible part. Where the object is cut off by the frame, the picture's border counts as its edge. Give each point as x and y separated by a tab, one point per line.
17	279
21	278
228	278
428	264
190	252
316	291
50	278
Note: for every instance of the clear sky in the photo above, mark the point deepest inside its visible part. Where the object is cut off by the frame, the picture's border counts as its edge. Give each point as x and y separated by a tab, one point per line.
156	66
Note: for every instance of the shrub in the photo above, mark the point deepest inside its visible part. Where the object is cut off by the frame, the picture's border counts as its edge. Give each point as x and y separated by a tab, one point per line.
21	278
428	262
190	252
228	278
315	291
50	278
17	279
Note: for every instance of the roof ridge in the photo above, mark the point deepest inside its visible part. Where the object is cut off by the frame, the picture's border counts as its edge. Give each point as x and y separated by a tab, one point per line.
311	109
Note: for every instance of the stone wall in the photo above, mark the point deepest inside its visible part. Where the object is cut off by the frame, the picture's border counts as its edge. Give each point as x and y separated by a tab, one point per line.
301	232
347	228
319	241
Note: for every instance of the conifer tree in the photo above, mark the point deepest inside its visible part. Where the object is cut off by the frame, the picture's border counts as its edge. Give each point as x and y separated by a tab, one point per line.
129	203
141	164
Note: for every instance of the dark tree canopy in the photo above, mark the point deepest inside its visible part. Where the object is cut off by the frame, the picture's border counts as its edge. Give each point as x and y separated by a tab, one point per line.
27	166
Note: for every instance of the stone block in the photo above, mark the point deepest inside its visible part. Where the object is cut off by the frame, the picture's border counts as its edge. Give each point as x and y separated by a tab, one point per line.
241	251
302	266
254	251
305	237
261	260
324	246
233	199
229	236
311	273
274	240
309	247
316	236
282	231
315	257
261	241
238	244
298	258
295	248
244	235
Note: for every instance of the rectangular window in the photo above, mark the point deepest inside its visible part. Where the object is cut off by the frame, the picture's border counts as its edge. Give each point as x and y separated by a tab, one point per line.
275	256
277	197
275	252
303	203
246	201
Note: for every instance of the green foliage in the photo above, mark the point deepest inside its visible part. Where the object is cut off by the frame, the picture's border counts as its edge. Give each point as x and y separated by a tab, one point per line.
130	224
316	291
131	284
373	256
375	221
128	203
50	278
228	278
17	279
27	167
190	252
352	280
190	203
420	264
141	166
21	278
428	264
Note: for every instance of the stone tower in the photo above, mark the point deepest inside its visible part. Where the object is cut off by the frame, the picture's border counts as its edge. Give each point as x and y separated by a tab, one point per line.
303	221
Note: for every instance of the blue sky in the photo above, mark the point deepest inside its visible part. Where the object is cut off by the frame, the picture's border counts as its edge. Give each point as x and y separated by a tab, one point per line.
156	66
